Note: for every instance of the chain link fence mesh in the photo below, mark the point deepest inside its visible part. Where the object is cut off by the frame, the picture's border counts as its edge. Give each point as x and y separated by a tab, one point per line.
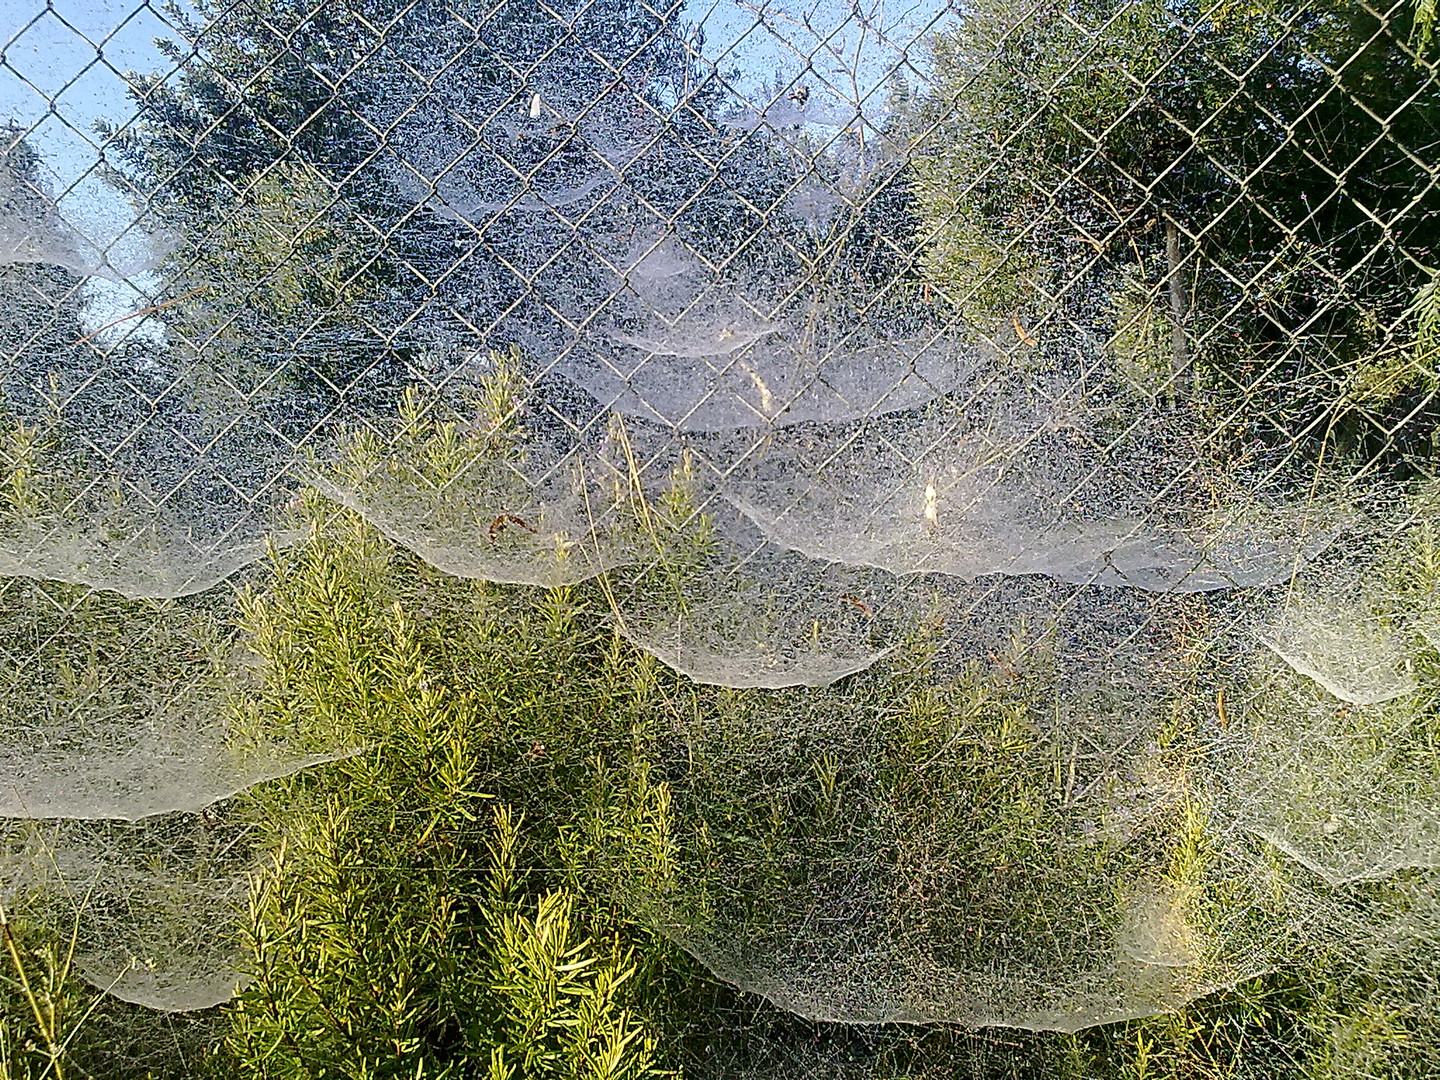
1002	434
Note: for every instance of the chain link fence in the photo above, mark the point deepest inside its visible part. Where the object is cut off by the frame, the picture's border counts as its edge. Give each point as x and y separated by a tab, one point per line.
986	452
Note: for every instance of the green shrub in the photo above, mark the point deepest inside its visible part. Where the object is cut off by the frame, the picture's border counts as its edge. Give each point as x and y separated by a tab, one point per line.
407	925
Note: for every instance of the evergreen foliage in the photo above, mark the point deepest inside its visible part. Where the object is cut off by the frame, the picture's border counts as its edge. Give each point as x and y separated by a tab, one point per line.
477	890
1258	176
317	144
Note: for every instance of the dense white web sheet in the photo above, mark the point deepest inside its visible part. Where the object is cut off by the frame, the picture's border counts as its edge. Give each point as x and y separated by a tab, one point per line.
1047	676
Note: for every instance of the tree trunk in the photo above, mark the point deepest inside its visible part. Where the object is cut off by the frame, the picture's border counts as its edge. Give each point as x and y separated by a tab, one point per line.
1179	308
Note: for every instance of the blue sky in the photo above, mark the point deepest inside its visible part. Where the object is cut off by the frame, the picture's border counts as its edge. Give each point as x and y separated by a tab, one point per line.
64	63
763	39
63	69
